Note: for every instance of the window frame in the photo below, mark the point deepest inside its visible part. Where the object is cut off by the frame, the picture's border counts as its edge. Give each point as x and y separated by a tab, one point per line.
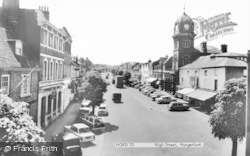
45	71
205	72
51	70
28	92
8	89
215	72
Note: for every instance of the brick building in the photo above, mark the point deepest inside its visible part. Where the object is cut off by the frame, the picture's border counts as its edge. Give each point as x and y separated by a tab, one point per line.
18	73
50	48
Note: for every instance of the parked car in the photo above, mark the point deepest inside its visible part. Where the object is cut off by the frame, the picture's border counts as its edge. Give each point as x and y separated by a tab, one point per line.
137	86
146	89
71	144
150	92
178	106
85	102
81	130
157	95
142	87
103	111
164	99
94	122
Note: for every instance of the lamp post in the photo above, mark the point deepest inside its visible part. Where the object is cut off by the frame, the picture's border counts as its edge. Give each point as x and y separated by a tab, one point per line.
247	106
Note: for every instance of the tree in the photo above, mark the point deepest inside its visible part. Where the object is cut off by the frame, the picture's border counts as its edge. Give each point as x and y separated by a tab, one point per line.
16	126
127	76
93	87
120	72
228	118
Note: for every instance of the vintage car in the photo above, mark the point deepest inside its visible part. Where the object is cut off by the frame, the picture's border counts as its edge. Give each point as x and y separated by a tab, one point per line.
178	106
156	95
103	111
71	144
164	99
81	130
94	122
117	97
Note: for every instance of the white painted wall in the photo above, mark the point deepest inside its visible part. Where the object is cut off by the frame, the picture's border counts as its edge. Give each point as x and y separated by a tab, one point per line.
205	81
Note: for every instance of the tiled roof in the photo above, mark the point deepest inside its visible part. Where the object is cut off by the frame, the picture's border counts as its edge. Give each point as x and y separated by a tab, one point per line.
7	57
210	49
210	62
168	63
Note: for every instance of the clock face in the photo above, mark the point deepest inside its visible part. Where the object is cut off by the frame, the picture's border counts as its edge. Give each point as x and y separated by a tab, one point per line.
186	26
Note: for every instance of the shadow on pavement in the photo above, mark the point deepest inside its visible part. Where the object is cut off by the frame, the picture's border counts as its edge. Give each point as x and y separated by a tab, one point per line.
119	103
110	128
201	110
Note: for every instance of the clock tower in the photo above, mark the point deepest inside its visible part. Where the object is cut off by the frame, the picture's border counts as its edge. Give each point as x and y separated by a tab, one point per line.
183	41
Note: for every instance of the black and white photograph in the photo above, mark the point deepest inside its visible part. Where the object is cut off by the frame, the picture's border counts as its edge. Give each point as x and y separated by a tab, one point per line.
124	78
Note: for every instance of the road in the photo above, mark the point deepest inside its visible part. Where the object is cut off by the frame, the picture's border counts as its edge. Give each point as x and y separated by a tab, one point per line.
138	119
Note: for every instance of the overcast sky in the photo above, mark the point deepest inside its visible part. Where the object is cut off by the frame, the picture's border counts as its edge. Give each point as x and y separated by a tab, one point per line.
117	31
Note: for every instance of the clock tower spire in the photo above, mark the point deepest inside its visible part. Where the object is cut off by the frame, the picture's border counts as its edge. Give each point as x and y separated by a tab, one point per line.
183	41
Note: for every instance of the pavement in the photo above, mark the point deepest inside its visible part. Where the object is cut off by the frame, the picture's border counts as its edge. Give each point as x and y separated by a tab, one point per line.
67	118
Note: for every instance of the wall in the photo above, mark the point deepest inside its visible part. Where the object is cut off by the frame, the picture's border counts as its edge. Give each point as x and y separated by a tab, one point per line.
205	82
15	79
29	33
233	72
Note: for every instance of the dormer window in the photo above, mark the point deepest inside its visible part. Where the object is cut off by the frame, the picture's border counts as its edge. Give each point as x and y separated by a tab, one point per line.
16	46
19	47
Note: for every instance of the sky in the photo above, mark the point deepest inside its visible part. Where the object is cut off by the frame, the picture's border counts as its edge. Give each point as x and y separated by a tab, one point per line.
117	31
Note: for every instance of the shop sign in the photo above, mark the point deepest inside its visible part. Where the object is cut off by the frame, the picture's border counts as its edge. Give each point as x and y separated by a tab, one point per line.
213	27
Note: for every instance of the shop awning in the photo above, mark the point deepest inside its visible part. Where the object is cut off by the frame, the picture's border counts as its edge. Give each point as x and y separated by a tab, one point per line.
201	95
185	91
151	79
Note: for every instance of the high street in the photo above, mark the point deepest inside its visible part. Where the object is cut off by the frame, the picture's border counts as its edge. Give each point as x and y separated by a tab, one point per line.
138	119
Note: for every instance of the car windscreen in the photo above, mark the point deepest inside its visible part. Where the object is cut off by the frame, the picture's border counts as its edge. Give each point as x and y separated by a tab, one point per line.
84	130
71	142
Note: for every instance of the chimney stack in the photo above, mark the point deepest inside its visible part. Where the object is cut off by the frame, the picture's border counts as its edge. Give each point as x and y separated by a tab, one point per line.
204	47
223	48
45	11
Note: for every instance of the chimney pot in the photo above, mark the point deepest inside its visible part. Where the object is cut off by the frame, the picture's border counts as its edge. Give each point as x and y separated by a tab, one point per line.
223	48
204	47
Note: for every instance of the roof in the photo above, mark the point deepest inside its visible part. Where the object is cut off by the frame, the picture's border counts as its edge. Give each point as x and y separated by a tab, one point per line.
68	136
185	91
168	63
210	49
201	95
7	57
151	79
80	125
210	62
184	18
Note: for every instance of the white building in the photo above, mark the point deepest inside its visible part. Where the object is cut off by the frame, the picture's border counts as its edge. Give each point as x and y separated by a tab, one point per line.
146	71
208	74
